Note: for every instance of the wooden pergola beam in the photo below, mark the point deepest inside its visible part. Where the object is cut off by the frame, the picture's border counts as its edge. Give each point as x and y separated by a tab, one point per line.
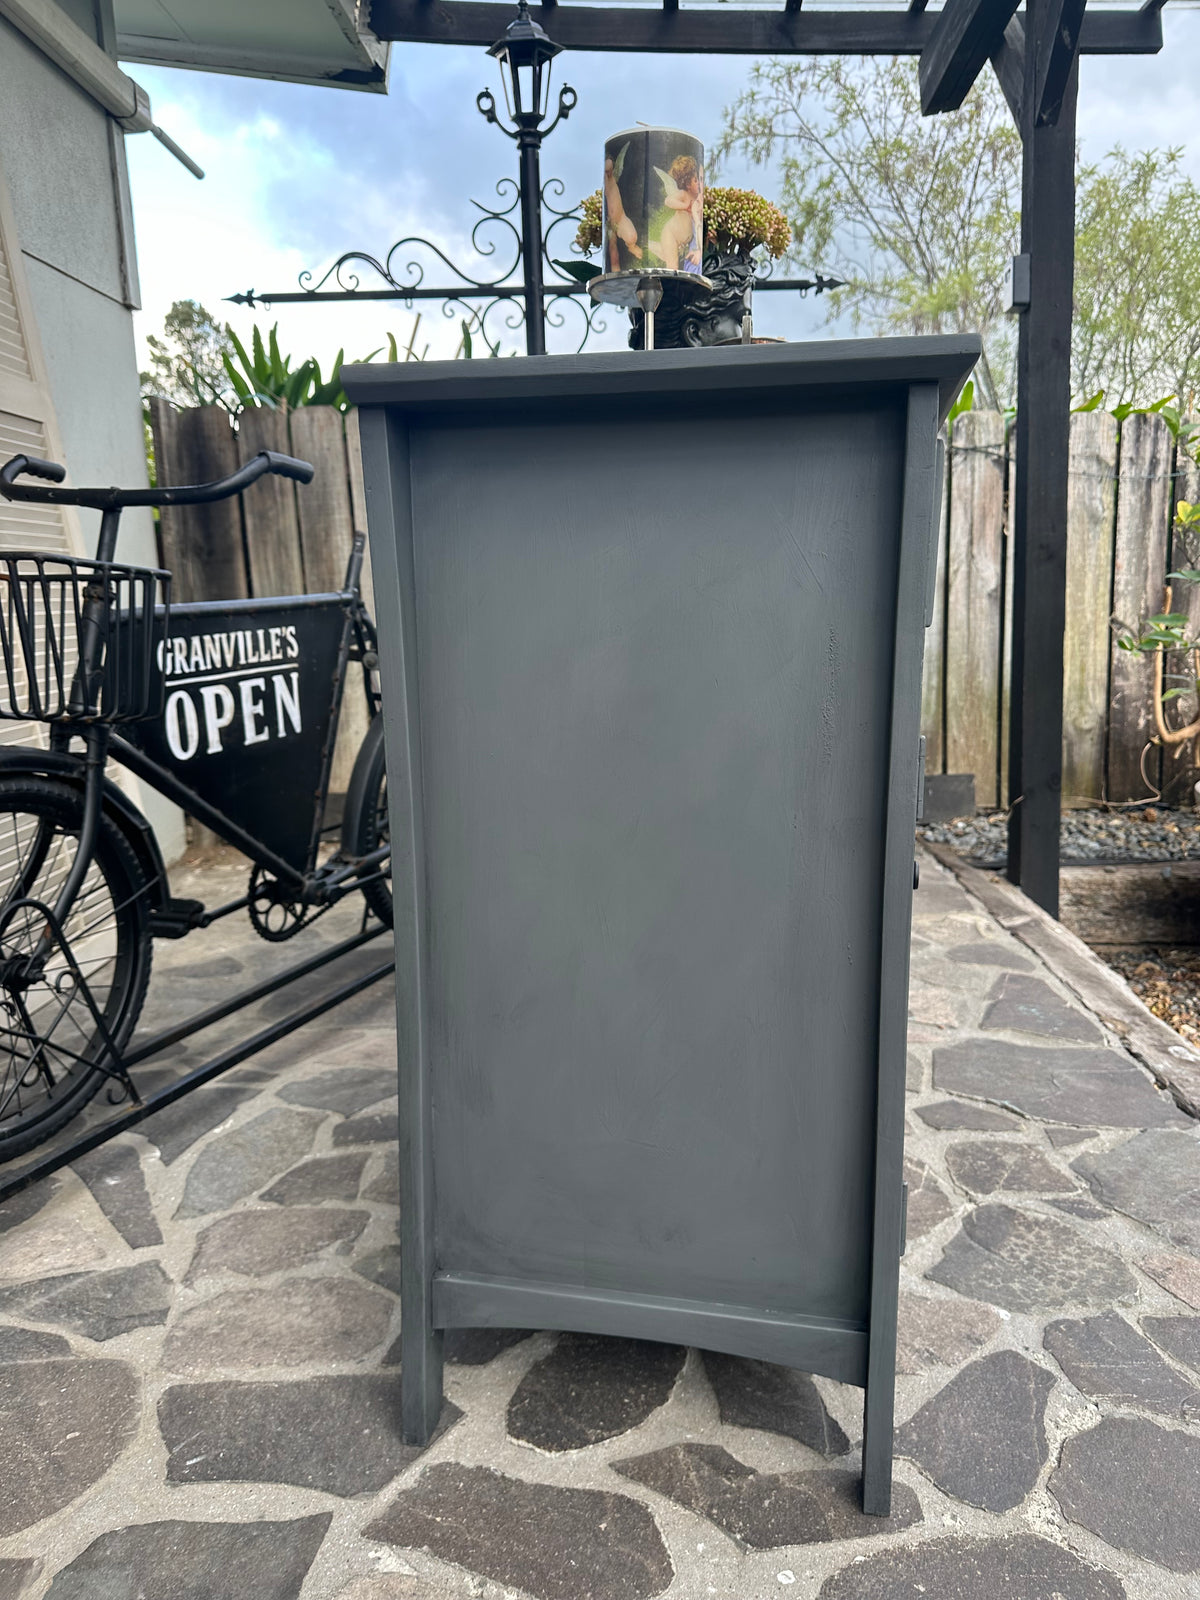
1057	58
1008	63
965	34
723	30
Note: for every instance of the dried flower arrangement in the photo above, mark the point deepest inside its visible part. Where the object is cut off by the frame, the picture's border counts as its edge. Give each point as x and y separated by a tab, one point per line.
737	220
591	223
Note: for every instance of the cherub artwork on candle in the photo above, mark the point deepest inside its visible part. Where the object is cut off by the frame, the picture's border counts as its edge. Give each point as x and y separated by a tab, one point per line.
621	230
653	201
677	239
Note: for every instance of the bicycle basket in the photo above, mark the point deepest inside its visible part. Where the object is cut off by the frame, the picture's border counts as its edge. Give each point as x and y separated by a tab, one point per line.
79	639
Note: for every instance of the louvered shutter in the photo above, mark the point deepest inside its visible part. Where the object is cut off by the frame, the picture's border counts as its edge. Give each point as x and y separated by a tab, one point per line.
27	425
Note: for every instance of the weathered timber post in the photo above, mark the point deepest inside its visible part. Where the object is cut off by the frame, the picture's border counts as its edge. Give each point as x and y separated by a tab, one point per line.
1042	443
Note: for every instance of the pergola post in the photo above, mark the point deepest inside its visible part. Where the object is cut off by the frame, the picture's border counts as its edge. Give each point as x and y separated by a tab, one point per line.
1039	552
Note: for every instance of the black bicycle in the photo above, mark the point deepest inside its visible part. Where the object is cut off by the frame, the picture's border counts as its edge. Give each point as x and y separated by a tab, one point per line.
228	708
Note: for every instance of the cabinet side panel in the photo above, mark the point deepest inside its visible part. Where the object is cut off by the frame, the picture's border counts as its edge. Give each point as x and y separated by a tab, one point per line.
655	663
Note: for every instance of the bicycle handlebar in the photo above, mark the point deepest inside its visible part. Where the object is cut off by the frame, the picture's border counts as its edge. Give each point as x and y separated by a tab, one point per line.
35	467
115	499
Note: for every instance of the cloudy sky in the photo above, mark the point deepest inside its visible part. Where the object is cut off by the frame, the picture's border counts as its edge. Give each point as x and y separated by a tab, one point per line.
297	175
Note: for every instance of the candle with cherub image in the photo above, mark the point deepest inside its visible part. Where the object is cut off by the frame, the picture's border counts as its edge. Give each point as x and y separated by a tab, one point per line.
653	201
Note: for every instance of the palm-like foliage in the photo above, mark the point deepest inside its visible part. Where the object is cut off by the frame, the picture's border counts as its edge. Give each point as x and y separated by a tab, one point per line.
263	376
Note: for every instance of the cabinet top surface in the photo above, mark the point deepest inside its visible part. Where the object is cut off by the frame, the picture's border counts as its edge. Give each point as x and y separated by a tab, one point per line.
845	365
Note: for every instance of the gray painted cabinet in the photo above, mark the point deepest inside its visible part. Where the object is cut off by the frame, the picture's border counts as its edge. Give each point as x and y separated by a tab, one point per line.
652	629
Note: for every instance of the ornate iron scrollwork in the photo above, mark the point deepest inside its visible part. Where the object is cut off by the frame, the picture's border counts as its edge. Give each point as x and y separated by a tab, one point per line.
494	236
409	280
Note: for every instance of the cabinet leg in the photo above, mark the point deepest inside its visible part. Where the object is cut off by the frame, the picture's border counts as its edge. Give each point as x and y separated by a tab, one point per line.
420	1379
878	1427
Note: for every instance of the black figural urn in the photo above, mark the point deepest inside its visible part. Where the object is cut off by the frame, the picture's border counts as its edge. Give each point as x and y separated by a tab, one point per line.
691	317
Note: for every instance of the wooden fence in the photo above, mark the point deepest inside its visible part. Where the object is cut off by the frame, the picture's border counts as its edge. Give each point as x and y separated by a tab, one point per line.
1124	482
279	537
282	538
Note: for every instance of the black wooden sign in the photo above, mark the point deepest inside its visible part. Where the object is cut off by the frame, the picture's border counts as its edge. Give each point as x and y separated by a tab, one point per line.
249	711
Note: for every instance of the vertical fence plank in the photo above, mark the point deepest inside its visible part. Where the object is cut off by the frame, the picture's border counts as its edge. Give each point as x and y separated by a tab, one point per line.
326	535
201	545
1006	643
1087	640
1179	762
1139	565
358	501
1188	478
269	507
323	506
933	679
973	594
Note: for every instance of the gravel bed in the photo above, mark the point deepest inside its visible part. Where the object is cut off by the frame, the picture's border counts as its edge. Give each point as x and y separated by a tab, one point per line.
1166	981
1150	833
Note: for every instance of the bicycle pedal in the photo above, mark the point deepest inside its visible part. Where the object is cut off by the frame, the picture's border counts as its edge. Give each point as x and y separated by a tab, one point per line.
176	918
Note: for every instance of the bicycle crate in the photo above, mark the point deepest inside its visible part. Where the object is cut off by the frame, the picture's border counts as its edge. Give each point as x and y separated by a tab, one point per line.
80	639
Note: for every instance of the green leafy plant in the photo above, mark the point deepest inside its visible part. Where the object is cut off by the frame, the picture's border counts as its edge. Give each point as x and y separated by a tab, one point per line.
1171	631
1184	429
472	327
200	362
1137	276
965	401
1092	403
1126	408
918	216
185	364
263	376
581	271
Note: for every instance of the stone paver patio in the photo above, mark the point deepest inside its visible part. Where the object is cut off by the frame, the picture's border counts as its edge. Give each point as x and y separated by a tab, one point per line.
198	1333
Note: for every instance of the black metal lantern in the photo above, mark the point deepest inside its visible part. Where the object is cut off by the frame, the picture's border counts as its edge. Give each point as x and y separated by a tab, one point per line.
525	53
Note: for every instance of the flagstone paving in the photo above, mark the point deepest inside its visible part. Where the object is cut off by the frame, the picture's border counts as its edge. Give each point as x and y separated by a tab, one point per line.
199	1353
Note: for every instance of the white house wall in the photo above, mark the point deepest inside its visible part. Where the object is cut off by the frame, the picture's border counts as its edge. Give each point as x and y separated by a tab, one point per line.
88	342
55	152
65	173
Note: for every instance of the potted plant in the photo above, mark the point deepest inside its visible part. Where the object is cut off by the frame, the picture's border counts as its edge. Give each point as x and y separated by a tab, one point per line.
737	223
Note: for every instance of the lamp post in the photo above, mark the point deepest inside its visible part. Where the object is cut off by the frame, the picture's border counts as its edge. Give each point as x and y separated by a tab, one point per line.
525	52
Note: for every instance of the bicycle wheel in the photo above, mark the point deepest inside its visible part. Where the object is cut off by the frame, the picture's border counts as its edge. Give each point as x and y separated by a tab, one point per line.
365	822
50	1041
